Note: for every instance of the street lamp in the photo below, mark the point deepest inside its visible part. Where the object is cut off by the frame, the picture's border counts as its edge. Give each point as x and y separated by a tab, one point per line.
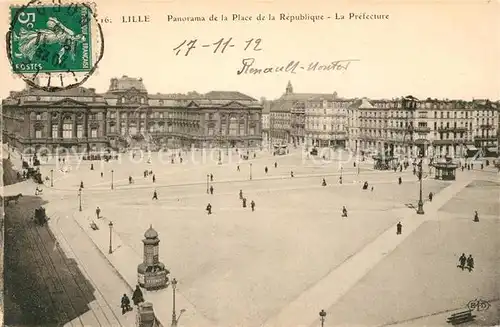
341	170
80	199
322	315
52	178
420	209
174	315
110	237
207	182
112	171
250	171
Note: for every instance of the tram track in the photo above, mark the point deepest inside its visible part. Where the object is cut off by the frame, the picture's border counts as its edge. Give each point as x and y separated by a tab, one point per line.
47	262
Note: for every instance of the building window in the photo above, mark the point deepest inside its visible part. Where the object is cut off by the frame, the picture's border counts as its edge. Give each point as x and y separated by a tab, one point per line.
38	133
112	115
67	130
79	131
55	131
123	99
38	116
124	115
93	132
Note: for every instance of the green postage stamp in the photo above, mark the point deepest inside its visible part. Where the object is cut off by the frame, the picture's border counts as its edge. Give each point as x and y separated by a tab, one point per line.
47	38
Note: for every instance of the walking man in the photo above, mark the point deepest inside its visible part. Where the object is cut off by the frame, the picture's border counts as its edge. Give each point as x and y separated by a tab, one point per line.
252	205
275	165
154	178
102	174
461	261
291	174
344	211
244	202
399	228
137	296
431	195
98	212
241	194
265	169
155	195
125	304
211	177
470	263
209	209
211	189
476	217
238	168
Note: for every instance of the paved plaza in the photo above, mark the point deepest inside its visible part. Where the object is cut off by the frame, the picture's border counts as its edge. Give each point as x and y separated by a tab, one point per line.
295	254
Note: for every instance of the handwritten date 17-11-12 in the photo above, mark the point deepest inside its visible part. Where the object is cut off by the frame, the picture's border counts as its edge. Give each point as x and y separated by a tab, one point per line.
218	47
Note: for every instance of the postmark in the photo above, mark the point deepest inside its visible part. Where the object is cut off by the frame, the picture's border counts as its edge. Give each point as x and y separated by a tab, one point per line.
54	44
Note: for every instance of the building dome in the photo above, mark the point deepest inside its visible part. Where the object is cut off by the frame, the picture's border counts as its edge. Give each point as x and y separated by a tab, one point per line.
151	233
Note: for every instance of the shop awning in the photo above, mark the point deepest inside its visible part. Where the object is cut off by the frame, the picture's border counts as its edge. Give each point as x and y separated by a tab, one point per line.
492	149
471	147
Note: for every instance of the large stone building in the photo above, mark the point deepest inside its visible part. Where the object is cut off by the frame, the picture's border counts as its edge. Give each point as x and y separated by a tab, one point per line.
428	127
84	120
312	119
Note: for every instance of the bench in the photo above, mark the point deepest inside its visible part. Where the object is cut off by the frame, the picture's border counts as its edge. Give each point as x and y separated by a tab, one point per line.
461	317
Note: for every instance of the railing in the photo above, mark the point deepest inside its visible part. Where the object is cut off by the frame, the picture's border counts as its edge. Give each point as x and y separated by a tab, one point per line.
486	126
452	129
422	129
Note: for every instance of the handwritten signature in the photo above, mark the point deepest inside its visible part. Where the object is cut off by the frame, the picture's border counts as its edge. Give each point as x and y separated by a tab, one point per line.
293	66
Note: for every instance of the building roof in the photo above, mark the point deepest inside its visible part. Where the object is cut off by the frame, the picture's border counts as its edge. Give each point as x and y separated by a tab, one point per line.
151	233
365	104
126	83
228	95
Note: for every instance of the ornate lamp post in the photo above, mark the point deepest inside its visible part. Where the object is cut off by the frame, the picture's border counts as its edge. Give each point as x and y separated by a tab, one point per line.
322	315
174	315
52	178
112	171
110	237
80	199
208	176
250	171
420	209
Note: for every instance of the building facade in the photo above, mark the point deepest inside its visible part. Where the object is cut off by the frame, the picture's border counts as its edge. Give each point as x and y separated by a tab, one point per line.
311	119
266	108
429	127
84	120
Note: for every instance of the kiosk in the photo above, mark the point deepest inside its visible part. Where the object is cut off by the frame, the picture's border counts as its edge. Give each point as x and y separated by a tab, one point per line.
151	273
445	169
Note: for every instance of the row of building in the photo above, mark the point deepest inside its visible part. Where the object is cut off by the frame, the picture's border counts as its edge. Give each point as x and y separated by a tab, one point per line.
401	125
126	114
81	119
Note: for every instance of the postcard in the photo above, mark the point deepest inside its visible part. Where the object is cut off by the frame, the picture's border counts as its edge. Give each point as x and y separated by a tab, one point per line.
257	163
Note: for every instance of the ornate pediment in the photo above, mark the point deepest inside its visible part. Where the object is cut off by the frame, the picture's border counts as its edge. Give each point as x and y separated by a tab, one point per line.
234	105
192	104
68	102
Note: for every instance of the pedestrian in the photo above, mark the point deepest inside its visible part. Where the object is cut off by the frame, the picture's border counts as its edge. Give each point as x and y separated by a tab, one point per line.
244	202
372	189
81	184
291	173
344	211
470	263
476	217
181	160
431	195
340	180
241	194
275	165
125	304
482	166
323	183
211	189
98	212
102	174
252	205
155	195
137	296
238	168
399	228
209	209
91	166
461	261
400	180
130	179
265	169
154	179
211	177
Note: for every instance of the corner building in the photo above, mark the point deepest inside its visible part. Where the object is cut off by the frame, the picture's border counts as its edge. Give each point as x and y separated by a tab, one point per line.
80	119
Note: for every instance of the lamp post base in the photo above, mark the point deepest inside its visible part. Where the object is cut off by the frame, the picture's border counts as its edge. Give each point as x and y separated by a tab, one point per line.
420	209
110	251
